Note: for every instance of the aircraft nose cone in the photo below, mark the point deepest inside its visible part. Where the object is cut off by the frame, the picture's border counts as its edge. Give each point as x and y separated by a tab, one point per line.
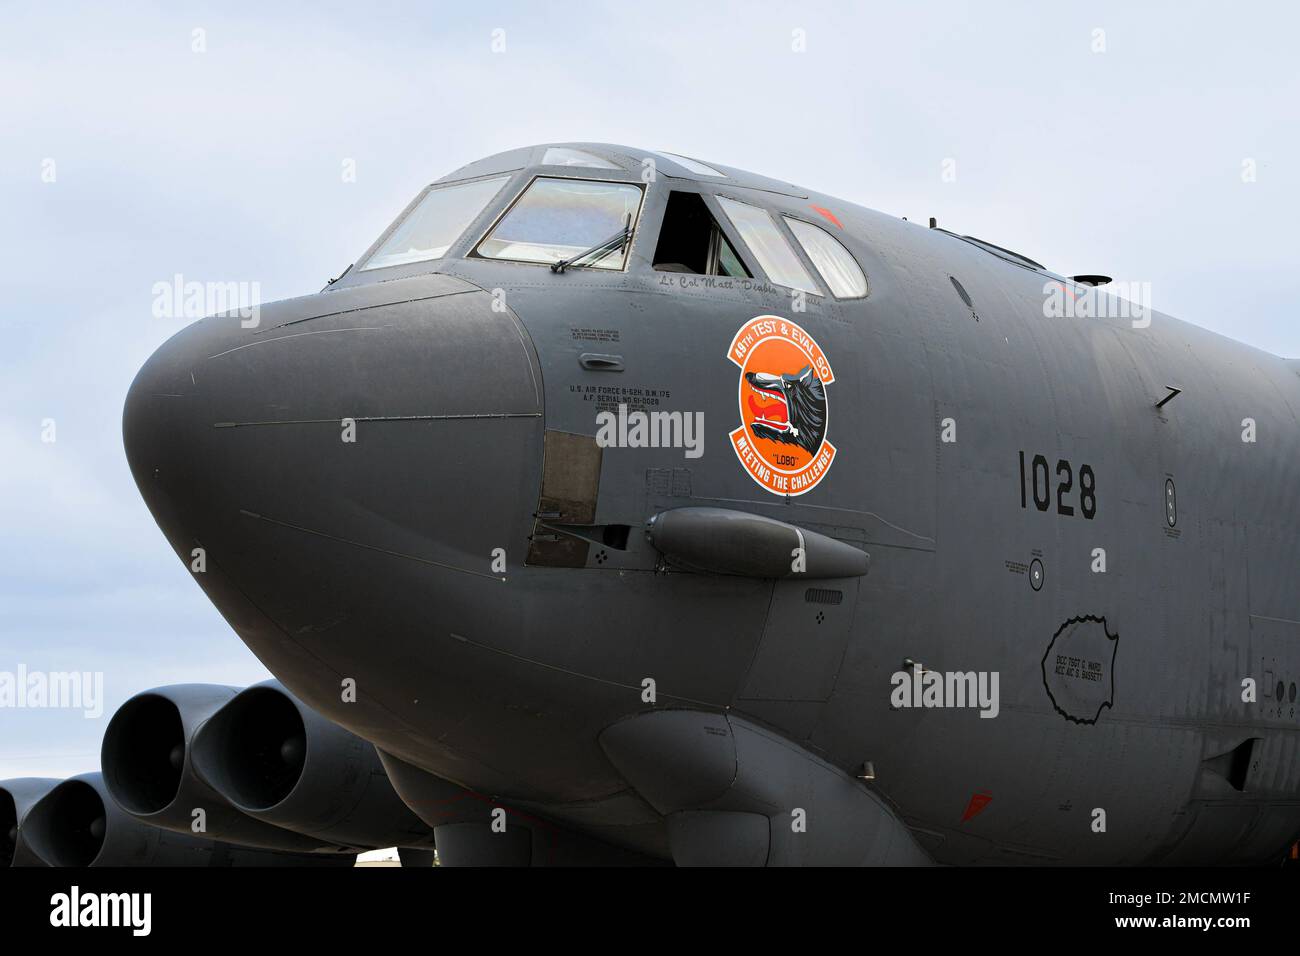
161	415
355	447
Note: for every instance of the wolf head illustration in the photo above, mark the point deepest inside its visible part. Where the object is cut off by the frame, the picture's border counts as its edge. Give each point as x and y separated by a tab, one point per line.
798	416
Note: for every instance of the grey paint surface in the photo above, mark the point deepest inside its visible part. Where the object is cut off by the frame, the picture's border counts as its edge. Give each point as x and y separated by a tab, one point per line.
370	561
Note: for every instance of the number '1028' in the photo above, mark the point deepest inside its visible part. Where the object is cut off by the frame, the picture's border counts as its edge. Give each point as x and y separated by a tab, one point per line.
1036	481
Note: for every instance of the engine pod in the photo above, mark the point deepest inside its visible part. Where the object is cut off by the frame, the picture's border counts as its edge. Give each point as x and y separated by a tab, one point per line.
17	797
278	761
148	770
78	824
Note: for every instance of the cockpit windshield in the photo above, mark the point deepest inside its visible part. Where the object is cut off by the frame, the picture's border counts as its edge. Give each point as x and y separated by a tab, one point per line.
435	223
555	219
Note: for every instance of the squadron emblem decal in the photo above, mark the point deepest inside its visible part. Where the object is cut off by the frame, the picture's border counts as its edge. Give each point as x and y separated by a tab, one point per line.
781	441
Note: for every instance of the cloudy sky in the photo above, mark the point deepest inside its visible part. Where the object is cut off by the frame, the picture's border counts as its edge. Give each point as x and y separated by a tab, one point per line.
1157	144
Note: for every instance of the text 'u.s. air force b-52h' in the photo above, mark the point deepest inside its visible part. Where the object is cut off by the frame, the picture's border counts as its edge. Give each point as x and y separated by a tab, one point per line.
621	507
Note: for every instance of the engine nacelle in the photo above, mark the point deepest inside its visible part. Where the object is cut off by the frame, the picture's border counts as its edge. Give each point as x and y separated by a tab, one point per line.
734	793
17	797
277	760
148	770
472	829
77	823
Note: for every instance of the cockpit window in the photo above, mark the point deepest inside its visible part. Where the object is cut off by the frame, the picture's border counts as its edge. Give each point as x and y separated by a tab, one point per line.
835	263
435	223
694	165
559	218
690	240
563	156
769	246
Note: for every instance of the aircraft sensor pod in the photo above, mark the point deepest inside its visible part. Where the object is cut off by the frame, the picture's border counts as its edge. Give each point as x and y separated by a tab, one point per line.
723	541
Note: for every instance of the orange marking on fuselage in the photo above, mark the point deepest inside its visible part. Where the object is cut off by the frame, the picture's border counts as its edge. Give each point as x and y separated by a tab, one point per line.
823	211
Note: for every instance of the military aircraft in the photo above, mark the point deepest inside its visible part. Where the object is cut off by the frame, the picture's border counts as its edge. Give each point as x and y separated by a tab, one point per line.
618	507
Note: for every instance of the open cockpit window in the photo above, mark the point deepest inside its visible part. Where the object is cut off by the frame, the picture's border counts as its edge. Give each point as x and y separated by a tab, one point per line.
836	264
768	245
691	241
435	223
560	219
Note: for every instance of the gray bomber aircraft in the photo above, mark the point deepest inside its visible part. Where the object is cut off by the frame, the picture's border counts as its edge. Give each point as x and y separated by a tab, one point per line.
638	509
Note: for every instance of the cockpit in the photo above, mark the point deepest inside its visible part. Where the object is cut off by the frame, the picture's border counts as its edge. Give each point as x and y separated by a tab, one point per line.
571	207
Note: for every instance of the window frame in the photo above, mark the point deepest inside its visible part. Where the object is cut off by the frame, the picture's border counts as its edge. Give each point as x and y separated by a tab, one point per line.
732	235
788	237
609	164
473	251
718	239
721	223
365	257
683	161
866	282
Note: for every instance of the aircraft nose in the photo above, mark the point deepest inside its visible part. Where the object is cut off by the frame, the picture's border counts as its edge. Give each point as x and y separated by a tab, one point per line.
396	426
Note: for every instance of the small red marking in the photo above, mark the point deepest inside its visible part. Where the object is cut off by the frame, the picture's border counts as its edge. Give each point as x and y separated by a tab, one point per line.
823	211
978	801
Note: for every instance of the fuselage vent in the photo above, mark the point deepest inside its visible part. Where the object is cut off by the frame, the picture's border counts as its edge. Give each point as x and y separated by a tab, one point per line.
823	596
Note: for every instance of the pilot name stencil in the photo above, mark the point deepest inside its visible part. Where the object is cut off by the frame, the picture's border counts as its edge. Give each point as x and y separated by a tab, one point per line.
719	282
784	413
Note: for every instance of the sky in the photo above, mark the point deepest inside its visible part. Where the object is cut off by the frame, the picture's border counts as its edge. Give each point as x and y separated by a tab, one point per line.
1153	142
